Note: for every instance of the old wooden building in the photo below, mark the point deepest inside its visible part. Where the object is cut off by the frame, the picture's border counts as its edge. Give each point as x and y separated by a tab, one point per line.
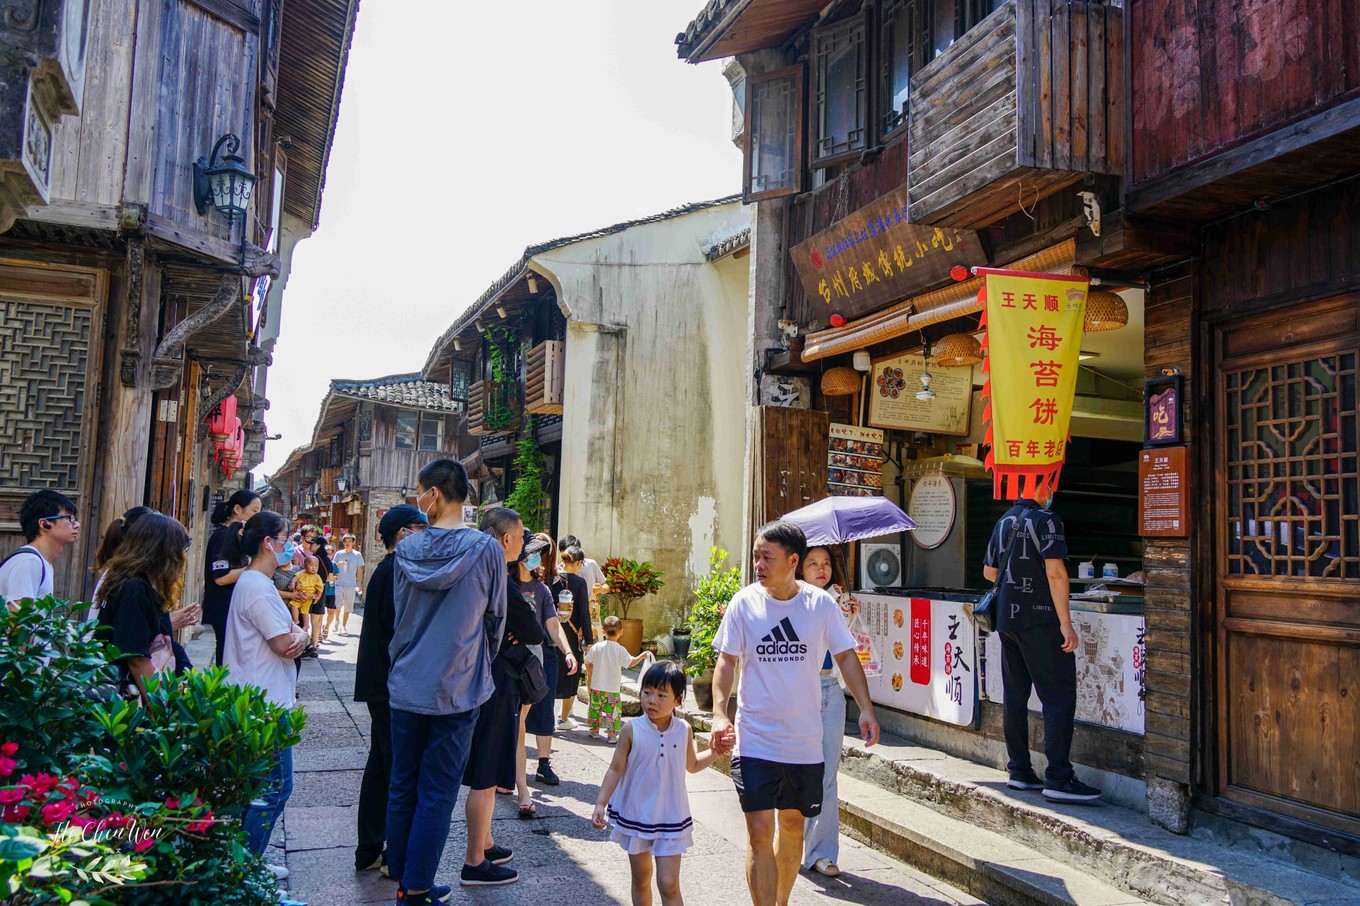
1199	162
585	354
139	274
371	440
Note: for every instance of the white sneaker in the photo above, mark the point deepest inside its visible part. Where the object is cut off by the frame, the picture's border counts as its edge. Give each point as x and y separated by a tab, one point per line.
279	872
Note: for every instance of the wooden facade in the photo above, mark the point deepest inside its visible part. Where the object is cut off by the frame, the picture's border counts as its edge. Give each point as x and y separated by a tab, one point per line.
116	100
1219	143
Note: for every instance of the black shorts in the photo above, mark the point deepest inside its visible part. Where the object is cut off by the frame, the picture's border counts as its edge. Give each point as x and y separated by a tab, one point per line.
763	785
330	602
317	609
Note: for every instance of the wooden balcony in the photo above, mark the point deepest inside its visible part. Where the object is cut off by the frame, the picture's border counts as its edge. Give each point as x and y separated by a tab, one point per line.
493	408
1025	104
546	370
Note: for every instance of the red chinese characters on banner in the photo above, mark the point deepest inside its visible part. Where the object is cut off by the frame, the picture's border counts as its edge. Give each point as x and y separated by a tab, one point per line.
1035	324
920	642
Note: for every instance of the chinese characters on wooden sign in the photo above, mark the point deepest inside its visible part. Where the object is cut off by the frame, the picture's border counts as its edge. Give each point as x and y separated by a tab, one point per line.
1164	493
875	257
1035	323
1162	408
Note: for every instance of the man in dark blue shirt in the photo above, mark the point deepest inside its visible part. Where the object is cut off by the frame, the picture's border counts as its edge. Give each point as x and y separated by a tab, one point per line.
1038	644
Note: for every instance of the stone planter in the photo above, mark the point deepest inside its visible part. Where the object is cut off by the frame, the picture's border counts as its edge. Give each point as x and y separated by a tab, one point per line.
680	644
703	692
630	636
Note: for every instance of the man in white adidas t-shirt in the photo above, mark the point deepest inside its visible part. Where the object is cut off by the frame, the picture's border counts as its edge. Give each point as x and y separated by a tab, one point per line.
779	630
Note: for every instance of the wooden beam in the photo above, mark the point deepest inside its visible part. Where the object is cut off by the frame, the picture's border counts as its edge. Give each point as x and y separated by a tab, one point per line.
1327	124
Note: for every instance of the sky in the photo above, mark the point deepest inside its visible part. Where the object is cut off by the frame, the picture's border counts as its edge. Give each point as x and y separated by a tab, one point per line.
466	133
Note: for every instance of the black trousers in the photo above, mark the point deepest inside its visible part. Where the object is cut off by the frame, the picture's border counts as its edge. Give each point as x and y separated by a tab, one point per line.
220	637
373	788
1033	658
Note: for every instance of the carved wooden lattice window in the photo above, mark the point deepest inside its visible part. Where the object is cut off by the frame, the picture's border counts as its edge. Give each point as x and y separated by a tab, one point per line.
44	358
773	158
1293	471
841	91
906	43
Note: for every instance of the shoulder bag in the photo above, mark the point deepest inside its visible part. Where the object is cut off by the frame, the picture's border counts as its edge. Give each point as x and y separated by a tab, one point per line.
522	666
984	612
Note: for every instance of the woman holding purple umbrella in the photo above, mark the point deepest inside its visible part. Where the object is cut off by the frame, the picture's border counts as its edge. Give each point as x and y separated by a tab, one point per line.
821	837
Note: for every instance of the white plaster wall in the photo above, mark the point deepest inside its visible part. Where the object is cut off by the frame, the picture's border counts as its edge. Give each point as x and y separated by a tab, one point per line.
653	437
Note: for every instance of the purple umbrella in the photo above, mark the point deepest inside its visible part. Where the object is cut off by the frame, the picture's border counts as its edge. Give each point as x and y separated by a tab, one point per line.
837	520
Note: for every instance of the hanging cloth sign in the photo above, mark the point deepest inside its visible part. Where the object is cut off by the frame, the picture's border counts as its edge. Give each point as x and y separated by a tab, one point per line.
1034	327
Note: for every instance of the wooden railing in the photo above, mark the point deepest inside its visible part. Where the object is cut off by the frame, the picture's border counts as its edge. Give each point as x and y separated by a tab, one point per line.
546	374
1025	104
493	408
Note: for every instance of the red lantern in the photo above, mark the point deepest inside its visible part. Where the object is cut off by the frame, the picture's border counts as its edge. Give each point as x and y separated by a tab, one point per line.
222	419
838	320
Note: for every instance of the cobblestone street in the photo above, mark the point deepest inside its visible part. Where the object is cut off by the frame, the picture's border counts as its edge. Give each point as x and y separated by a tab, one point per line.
559	856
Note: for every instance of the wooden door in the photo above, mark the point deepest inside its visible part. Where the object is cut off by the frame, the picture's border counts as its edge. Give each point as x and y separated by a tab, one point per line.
1287	500
790	469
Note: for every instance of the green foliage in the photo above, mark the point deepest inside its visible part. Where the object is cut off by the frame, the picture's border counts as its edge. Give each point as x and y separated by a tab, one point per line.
629	580
712	594
62	866
51	669
199	734
499	413
529	496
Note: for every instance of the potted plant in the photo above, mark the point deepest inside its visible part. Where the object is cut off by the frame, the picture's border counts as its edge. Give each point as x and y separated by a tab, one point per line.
711	596
680	635
629	580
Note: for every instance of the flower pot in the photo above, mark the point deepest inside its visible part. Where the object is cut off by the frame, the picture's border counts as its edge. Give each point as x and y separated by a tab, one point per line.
703	692
680	644
630	636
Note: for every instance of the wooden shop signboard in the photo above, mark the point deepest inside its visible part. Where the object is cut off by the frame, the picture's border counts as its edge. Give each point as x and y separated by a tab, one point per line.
875	257
1164	493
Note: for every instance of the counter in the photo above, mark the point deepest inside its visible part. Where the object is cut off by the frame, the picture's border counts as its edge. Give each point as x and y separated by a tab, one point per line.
934	662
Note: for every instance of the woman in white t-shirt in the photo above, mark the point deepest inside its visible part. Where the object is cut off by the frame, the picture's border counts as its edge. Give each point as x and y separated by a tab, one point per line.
261	642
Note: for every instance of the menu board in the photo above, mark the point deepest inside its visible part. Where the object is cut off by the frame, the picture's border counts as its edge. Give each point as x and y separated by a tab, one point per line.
855	462
894	383
1111	665
1164	493
928	652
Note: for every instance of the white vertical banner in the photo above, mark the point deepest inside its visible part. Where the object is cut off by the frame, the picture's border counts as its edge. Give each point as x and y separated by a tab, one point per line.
928	650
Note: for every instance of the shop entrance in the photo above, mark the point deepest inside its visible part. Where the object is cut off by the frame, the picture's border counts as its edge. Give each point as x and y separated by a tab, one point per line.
1287	512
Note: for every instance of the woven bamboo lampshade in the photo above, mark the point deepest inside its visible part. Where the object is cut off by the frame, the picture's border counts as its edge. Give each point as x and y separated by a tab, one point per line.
1105	311
957	350
840	382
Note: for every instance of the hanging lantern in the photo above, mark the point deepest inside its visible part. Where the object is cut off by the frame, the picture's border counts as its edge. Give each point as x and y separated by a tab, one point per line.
1105	311
840	382
958	350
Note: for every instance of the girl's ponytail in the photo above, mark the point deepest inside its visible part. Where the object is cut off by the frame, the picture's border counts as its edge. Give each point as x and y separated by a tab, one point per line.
242	498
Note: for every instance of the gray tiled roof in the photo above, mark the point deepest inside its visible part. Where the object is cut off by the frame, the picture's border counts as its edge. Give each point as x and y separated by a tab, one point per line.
409	390
703	24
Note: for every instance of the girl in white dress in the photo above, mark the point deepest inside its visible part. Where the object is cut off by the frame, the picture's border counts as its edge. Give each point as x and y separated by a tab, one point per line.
643	795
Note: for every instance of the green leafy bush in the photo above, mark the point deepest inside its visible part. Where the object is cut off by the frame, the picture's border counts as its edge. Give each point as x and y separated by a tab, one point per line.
52	669
712	594
528	497
199	734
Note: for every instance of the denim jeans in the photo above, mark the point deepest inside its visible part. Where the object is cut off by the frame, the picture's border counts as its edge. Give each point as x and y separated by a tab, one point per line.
264	810
429	754
821	836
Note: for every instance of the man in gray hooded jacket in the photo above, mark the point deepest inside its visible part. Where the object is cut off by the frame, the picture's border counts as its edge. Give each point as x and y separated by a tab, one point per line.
449	602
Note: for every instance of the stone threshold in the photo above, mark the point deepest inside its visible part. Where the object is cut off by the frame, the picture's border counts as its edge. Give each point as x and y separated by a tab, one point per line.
958	821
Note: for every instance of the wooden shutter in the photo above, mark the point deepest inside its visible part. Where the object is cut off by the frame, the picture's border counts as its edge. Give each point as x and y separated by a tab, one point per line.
545	370
790	468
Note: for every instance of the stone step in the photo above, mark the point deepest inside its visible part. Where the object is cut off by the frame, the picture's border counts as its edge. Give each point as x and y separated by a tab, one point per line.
925	807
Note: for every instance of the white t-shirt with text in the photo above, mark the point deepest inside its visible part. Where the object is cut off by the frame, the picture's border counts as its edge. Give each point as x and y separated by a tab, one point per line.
607	660
27	574
781	645
257	615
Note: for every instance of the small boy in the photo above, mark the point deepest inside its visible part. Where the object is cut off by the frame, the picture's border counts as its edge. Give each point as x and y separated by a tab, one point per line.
604	675
311	584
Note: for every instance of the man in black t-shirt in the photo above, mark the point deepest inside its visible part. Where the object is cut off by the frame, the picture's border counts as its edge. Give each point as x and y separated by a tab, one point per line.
370	687
1038	644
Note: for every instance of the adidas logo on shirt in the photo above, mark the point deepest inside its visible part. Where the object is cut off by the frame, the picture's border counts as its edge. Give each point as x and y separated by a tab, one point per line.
781	644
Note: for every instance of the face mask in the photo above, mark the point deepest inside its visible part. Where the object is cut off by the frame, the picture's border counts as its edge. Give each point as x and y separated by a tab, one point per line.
1048	505
533	562
285	556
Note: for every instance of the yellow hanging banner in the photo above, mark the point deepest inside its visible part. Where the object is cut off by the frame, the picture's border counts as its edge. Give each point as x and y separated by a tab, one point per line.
1034	327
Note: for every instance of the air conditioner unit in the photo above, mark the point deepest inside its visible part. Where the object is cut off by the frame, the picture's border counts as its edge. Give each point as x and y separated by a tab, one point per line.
880	565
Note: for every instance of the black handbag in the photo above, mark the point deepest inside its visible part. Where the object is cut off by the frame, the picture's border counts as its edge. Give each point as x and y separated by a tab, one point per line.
984	612
522	666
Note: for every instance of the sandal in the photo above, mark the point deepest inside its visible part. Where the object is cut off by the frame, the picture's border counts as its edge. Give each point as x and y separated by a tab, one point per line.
502	791
527	811
826	867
